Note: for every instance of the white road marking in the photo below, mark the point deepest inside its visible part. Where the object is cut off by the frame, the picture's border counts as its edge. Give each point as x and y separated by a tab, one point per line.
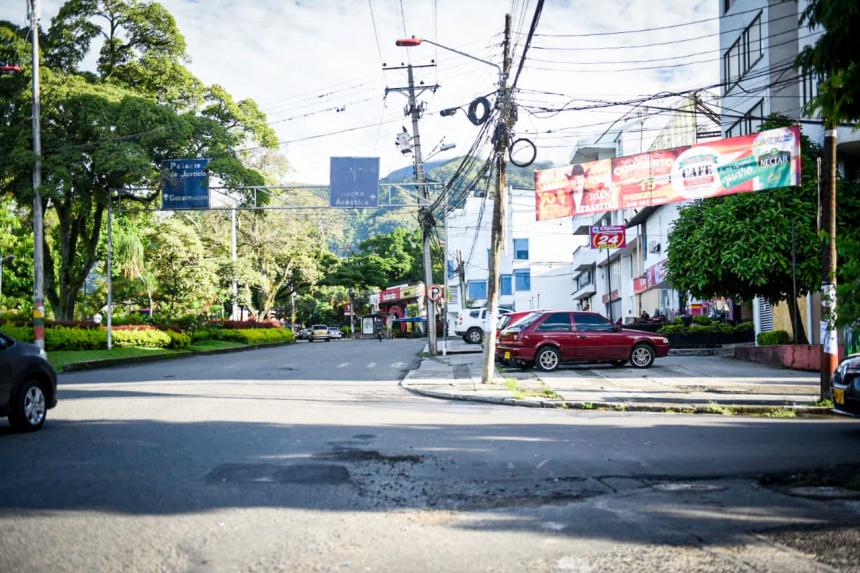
543	463
343	365
398	365
371	365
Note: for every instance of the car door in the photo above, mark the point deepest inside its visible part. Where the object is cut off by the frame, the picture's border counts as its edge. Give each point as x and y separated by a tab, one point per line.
557	328
7	366
594	337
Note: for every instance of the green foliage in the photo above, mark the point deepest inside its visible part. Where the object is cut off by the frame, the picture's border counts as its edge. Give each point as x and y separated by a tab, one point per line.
706	327
246	335
673	329
16	239
62	338
111	129
142	339
23	333
833	58
773	337
702	320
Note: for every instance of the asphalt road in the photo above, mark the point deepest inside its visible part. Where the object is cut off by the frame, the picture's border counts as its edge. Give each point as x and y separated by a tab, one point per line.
312	458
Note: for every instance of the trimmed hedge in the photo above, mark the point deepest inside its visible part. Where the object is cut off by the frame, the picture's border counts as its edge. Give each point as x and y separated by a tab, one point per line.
706	327
141	338
773	337
178	339
246	335
244	324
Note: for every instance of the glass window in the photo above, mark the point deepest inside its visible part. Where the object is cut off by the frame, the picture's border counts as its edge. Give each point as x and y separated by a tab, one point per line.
477	290
556	322
475	313
507	285
592	323
523	280
521	249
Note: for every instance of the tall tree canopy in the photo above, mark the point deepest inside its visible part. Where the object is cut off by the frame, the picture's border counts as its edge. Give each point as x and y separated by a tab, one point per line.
110	128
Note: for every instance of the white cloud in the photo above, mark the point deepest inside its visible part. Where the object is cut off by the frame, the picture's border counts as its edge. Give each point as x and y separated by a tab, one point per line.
282	53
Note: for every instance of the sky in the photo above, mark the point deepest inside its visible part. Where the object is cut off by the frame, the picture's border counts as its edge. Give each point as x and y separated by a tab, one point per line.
303	60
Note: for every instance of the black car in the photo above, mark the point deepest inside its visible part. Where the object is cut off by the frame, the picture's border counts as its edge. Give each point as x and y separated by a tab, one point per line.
28	385
845	386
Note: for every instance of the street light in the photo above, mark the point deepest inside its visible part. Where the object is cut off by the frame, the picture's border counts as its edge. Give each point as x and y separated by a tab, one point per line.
414	41
3	261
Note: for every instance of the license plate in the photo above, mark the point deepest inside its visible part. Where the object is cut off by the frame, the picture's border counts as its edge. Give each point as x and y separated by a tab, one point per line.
507	355
839	396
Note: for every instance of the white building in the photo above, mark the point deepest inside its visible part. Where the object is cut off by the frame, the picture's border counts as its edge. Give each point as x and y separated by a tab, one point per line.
636	280
759	41
536	270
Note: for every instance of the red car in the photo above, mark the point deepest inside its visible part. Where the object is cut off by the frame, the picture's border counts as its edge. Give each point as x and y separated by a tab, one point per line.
548	339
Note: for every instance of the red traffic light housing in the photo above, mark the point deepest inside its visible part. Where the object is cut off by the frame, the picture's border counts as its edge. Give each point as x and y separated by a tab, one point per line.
408	42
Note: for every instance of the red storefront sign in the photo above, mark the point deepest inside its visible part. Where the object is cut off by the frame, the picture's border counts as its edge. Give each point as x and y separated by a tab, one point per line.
608	236
654	275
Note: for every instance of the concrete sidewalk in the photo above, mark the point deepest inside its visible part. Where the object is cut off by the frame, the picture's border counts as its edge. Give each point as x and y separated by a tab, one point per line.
706	384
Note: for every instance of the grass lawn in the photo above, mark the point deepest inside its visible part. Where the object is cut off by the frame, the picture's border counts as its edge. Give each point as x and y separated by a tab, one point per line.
59	358
214	345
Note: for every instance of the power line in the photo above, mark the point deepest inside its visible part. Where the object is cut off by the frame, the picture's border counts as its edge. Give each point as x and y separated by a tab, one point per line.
656	28
532	28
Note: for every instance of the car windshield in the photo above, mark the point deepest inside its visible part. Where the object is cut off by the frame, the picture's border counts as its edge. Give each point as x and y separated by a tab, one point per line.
319	327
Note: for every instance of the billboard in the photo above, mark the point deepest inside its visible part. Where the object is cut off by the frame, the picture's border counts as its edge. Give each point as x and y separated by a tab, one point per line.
184	184
354	182
754	162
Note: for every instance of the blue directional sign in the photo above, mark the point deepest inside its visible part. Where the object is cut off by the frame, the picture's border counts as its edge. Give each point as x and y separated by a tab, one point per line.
185	184
354	182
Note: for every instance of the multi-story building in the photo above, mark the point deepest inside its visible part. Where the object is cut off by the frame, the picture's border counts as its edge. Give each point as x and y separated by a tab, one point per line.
759	41
636	276
536	261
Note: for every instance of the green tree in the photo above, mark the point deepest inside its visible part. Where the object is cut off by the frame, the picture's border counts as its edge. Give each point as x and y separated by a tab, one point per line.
833	60
739	246
111	129
184	271
16	240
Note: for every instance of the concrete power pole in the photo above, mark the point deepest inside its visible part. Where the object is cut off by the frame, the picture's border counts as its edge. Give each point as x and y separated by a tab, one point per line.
499	204
829	349
414	111
38	225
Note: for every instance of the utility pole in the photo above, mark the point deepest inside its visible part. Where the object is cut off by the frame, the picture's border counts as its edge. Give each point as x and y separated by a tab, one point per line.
38	225
414	111
829	348
461	276
499	204
234	285
445	282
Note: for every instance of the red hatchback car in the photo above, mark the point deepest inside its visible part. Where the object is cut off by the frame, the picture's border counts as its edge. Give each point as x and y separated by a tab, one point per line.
548	339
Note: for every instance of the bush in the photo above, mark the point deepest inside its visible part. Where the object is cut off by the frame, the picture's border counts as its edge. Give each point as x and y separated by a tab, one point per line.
702	320
65	338
246	335
23	333
244	324
746	326
134	327
178	339
141	338
673	329
773	337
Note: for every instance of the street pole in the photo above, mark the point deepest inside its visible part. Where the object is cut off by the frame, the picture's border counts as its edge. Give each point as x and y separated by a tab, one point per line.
110	271
499	204
38	225
425	226
234	285
829	348
293	313
794	280
445	274
609	287
351	313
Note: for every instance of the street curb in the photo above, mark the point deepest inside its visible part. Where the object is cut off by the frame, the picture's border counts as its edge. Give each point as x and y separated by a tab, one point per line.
740	409
110	362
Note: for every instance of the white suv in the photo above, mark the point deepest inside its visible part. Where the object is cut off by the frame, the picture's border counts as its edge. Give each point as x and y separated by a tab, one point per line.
471	324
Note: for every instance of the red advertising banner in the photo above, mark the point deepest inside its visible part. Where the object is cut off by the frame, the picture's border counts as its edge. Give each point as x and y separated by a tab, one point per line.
654	275
754	162
608	237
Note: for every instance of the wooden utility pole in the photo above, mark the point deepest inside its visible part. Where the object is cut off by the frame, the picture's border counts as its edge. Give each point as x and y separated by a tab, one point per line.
499	203
829	348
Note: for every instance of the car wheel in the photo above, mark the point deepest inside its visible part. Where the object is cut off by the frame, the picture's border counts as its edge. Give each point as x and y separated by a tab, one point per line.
474	336
30	408
547	359
619	363
642	356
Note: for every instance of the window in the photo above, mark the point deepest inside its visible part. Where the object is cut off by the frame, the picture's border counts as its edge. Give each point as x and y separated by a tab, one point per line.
556	322
507	286
749	123
592	323
521	249
475	313
523	280
809	89
584	279
743	54
477	290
